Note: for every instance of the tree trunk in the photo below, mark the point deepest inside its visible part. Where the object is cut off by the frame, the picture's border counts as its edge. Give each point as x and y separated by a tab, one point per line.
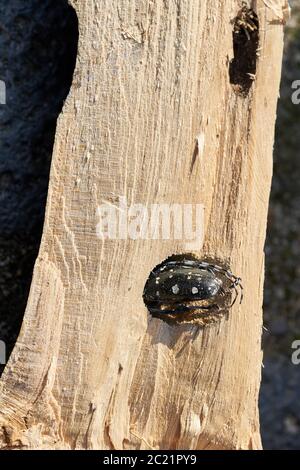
158	113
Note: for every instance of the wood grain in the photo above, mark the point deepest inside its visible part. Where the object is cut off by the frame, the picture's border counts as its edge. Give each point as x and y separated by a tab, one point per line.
91	368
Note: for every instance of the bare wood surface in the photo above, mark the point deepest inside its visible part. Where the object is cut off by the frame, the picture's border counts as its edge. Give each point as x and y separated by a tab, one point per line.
91	368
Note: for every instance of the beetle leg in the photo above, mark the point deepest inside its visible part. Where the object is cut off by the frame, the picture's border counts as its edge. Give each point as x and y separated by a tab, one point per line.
222	291
235	285
241	292
236	281
236	294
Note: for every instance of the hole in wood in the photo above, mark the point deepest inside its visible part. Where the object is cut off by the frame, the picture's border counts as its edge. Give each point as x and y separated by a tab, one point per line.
184	289
242	68
38	55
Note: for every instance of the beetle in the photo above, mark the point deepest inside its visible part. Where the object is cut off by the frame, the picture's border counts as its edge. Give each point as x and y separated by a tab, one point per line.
174	284
246	22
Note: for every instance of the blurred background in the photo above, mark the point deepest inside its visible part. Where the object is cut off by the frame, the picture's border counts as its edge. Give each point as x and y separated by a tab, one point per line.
38	43
279	397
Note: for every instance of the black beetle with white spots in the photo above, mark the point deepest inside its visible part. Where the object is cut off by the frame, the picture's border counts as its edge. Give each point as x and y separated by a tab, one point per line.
175	284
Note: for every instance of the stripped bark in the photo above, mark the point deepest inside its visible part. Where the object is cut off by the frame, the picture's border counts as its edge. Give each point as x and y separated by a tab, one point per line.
91	368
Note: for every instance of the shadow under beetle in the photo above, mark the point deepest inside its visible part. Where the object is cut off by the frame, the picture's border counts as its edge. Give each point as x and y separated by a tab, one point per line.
173	284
